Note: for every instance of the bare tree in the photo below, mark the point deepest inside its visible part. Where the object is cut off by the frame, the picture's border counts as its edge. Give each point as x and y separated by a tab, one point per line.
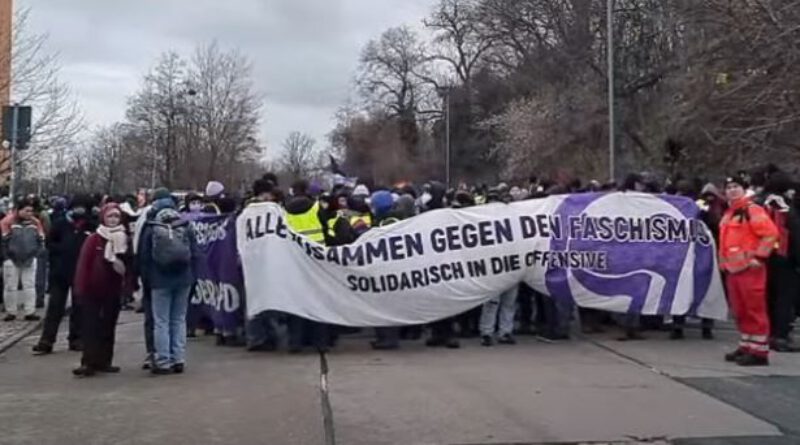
197	120
458	41
57	119
225	114
299	155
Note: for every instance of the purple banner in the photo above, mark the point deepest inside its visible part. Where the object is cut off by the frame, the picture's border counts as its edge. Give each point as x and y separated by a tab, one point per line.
219	292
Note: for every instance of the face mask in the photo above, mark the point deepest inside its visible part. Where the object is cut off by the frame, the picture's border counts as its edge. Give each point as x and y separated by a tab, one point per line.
425	198
195	206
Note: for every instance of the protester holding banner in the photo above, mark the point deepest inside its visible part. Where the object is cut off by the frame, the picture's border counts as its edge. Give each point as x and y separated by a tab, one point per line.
168	251
442	333
747	239
303	216
385	214
260	328
497	314
684	188
99	279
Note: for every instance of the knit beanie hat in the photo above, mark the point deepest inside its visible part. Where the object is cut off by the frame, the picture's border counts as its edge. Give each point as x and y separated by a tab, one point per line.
736	179
161	193
361	190
214	189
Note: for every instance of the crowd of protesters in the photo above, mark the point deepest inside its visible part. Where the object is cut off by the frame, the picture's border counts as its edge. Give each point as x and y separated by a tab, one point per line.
98	252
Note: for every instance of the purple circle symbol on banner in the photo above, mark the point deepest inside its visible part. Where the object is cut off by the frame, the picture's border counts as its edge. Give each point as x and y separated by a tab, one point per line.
635	269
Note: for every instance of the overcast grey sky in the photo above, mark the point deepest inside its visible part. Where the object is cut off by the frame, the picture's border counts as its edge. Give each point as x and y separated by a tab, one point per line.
304	52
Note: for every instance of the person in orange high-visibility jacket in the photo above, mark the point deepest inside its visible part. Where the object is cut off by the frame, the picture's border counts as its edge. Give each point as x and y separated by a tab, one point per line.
747	238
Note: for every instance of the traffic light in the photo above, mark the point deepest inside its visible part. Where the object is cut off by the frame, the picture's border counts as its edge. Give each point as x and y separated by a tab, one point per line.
23	125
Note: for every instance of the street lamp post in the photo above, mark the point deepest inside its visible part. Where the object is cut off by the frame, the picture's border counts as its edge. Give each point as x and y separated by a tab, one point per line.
447	140
611	118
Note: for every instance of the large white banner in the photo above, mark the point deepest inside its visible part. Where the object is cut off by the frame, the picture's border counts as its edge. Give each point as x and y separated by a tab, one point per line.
620	252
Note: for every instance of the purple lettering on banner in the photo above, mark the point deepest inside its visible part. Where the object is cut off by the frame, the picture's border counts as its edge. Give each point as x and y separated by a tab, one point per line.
218	294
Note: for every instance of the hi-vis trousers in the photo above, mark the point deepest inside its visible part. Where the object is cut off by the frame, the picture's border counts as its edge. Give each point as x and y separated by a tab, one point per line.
747	292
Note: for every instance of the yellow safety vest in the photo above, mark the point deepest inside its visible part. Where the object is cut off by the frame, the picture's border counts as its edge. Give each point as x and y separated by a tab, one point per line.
365	218
307	224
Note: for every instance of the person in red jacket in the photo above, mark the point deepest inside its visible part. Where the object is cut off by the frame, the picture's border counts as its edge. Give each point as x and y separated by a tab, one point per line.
747	238
99	280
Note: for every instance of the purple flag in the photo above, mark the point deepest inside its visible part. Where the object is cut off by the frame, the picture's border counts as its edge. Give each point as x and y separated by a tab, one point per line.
219	291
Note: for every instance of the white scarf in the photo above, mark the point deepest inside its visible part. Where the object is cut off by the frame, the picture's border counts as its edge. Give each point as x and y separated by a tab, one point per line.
116	244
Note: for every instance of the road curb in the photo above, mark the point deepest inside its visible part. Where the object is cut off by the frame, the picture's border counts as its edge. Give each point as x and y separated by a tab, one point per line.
17	337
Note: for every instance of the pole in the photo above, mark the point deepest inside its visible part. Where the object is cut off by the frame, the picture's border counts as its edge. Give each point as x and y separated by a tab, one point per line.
611	118
447	139
14	167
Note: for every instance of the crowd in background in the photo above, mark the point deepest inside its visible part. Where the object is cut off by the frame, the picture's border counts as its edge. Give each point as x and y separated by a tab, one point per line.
106	254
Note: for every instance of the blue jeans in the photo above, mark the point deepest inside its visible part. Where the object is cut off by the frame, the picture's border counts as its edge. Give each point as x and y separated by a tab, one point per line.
169	313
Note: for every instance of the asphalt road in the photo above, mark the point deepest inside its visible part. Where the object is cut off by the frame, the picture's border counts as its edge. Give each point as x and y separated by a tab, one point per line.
599	391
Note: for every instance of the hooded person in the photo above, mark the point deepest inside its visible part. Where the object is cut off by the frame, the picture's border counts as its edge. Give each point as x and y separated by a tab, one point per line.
166	261
358	214
161	199
496	316
432	197
387	211
783	281
304	216
99	281
23	239
67	236
442	332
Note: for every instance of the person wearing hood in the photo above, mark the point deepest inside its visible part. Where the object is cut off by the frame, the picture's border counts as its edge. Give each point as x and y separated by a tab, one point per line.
67	236
58	209
497	314
783	281
432	197
469	321
747	240
23	239
166	261
388	212
303	215
684	188
161	199
442	333
358	214
99	280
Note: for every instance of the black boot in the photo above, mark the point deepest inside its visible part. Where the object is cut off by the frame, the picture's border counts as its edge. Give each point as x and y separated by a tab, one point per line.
752	360
452	344
676	334
708	334
486	340
83	371
40	349
733	356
